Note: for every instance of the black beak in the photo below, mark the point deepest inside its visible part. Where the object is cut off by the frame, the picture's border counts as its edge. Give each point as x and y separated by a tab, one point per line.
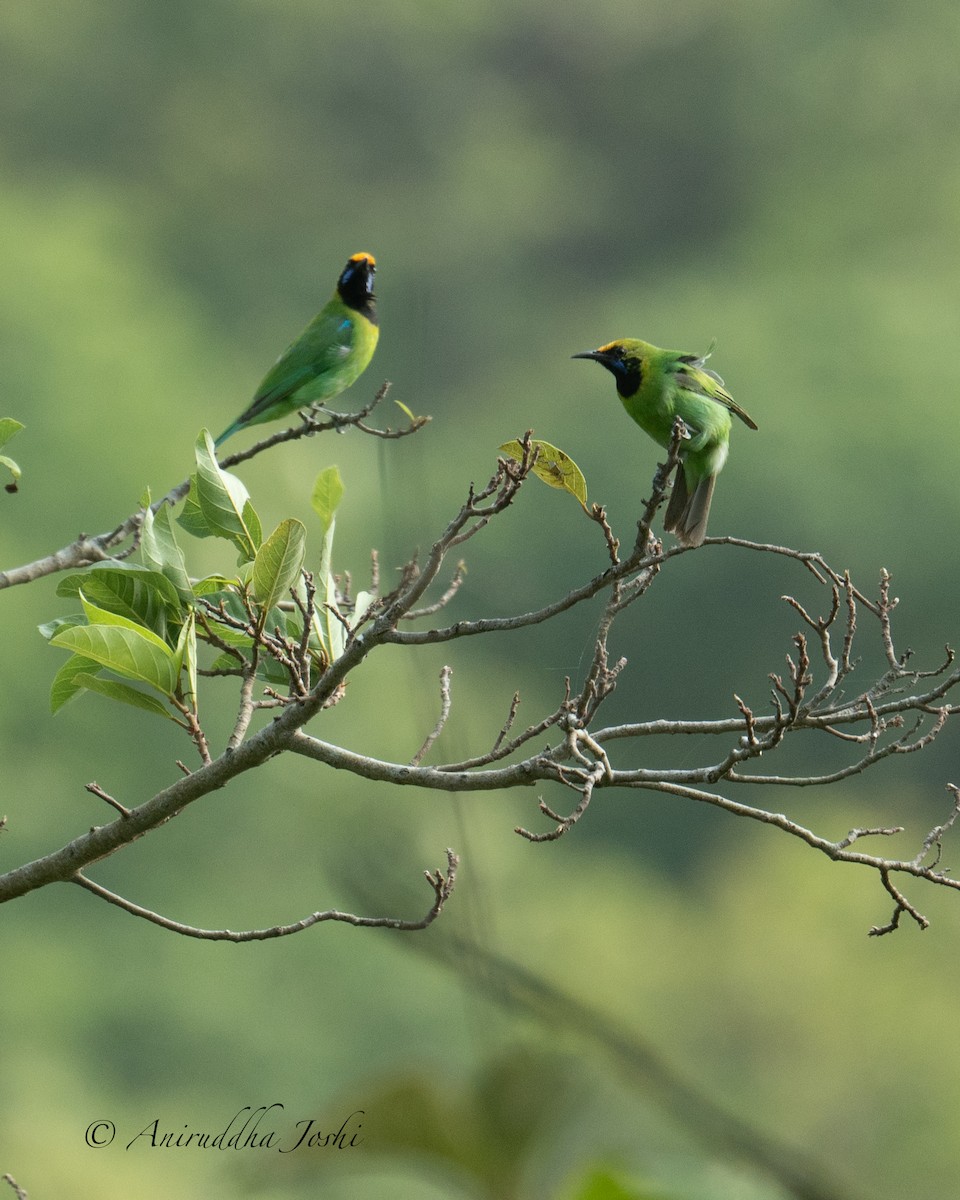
594	354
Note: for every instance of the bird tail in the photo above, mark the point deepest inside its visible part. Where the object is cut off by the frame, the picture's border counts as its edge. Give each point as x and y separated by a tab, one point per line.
226	433
687	512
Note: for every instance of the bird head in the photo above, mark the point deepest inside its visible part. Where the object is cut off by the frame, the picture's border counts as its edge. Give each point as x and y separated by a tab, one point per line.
355	285
624	360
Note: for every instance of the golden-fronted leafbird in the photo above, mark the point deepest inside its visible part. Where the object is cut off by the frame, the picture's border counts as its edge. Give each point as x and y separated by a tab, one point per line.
327	357
655	387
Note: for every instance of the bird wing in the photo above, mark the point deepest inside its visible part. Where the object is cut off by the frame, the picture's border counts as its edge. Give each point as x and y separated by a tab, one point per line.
695	377
322	347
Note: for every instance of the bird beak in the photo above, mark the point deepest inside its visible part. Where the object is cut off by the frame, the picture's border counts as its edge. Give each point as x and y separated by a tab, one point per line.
594	354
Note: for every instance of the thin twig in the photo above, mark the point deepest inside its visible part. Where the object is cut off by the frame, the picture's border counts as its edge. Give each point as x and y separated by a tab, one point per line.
96	790
442	883
445	702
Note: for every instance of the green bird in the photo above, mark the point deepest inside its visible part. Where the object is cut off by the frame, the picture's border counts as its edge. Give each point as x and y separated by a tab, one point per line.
655	387
332	352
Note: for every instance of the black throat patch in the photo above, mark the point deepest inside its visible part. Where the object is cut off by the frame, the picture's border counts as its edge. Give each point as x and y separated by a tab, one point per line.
355	289
628	372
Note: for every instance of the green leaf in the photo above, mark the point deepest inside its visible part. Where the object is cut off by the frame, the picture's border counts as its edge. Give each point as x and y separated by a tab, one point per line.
327	494
102	616
406	411
124	648
65	683
191	516
278	562
328	629
123	692
251	522
8	428
225	662
270	671
14	471
138	593
158	546
360	605
218	504
49	628
332	633
186	660
553	466
213	585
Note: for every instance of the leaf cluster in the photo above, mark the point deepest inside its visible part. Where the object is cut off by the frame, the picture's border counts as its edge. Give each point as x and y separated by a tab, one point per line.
135	637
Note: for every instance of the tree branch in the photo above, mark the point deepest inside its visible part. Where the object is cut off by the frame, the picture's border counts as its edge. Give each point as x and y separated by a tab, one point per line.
86	549
442	883
893	715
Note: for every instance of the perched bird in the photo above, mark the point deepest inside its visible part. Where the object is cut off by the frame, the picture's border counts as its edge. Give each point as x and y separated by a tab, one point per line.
655	387
327	357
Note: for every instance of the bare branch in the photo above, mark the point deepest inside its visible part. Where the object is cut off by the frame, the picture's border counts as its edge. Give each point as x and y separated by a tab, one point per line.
320	419
502	749
442	884
246	709
448	595
903	906
935	836
563	823
96	790
445	702
20	1193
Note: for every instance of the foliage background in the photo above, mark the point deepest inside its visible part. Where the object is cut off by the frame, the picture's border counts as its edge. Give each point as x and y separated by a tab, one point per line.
180	184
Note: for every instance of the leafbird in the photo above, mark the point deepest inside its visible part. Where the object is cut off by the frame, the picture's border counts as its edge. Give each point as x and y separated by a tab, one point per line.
655	387
333	351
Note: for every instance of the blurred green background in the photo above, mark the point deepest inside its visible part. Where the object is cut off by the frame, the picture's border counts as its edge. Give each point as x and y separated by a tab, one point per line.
180	184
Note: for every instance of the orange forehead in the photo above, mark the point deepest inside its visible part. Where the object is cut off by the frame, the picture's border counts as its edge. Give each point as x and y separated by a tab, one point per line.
363	257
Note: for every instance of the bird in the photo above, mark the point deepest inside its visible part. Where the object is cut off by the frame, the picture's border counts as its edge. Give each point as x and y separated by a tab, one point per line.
330	354
656	386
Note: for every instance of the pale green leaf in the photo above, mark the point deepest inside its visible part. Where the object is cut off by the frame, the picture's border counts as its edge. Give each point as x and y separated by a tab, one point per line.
334	632
186	660
360	606
159	549
278	562
14	470
218	504
251	522
327	494
8	428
